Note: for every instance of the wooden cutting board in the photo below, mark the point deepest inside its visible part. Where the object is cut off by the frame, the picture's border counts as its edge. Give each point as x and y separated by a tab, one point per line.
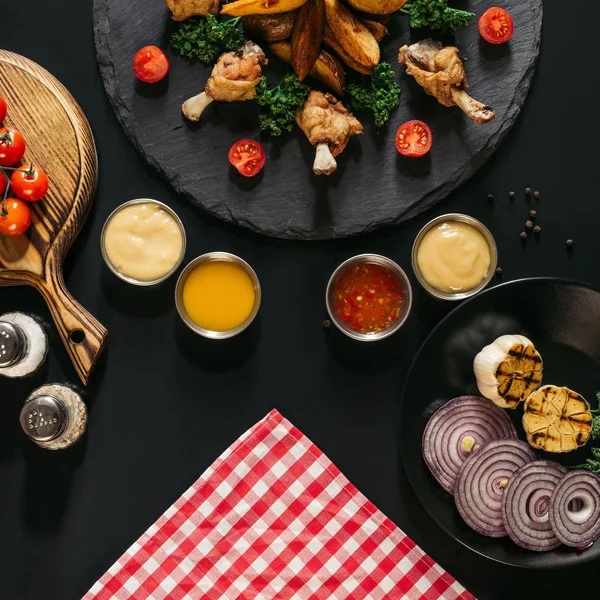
60	140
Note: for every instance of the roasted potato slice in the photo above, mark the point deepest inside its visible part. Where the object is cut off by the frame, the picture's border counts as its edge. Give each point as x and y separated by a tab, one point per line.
243	8
307	37
383	19
332	42
326	69
378	7
378	30
270	28
352	34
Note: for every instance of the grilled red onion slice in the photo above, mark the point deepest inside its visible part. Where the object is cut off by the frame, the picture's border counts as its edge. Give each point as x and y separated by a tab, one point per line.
575	509
481	482
526	505
457	429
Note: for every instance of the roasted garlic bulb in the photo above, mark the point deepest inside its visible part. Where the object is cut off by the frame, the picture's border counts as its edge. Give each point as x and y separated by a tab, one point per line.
557	419
508	370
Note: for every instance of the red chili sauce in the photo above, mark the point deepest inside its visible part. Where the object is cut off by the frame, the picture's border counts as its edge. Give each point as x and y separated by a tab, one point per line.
368	298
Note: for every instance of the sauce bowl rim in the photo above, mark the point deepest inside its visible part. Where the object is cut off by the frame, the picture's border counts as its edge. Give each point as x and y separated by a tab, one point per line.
406	306
132	280
481	228
217	256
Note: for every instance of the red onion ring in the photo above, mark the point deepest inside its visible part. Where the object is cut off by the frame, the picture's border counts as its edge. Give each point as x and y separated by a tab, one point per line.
481	482
575	509
456	429
526	505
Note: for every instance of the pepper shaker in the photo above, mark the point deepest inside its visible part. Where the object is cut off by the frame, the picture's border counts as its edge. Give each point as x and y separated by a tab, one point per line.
54	416
23	345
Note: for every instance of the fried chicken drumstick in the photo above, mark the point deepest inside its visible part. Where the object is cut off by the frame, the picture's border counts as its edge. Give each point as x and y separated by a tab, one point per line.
329	126
233	79
441	73
184	9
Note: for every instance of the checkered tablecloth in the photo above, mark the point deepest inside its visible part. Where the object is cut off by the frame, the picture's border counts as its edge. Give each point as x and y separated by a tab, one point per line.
273	518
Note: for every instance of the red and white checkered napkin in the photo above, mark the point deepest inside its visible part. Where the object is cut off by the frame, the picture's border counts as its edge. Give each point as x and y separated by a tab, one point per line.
273	518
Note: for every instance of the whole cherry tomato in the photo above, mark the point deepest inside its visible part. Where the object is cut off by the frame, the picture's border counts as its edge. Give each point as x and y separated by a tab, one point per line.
2	109
150	64
3	184
12	146
29	184
15	217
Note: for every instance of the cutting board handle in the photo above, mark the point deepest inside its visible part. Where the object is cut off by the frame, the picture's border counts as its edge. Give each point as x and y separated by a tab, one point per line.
83	336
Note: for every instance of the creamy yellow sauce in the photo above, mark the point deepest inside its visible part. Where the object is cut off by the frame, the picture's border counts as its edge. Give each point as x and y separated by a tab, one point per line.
218	295
143	241
453	257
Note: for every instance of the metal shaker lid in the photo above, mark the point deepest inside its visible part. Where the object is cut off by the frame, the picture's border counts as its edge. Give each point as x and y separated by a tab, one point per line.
13	344
44	418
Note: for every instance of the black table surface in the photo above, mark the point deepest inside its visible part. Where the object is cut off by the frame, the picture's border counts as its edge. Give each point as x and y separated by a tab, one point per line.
164	404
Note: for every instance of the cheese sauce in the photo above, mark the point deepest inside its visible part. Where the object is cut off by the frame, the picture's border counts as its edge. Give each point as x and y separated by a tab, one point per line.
143	241
453	257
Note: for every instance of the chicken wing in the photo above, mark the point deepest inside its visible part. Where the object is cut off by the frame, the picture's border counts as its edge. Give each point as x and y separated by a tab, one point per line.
329	126
441	73
233	79
184	9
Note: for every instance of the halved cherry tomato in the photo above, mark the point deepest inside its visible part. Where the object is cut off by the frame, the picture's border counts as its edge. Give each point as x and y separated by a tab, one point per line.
12	146
2	109
413	139
15	219
496	25
247	156
29	184
150	64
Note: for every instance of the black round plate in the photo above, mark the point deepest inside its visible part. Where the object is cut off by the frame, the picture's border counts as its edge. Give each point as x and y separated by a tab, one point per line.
373	187
561	318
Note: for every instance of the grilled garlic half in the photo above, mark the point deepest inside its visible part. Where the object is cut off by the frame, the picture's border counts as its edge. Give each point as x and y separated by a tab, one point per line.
557	419
508	370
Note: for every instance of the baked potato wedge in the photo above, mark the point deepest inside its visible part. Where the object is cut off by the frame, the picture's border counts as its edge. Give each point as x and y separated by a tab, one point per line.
270	28
378	30
332	42
327	68
378	7
307	37
243	8
363	16
352	34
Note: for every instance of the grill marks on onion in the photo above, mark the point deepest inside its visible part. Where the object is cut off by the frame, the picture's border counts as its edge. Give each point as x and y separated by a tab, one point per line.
457	430
575	509
482	481
526	505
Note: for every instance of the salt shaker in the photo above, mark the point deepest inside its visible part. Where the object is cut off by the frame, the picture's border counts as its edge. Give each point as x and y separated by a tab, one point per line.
23	345
54	416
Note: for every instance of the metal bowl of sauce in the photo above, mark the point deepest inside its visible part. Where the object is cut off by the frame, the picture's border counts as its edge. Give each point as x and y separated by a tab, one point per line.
454	256
369	297
143	242
218	295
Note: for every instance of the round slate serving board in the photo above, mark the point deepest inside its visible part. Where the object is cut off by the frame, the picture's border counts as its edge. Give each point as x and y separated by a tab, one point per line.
373	186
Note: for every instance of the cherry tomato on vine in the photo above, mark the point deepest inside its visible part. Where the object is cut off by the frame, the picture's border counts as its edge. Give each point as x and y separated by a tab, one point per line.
29	184
150	64
496	25
12	146
413	139
2	109
3	184
247	156
15	217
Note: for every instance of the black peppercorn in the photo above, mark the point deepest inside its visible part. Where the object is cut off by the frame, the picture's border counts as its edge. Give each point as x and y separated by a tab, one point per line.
327	323
523	235
511	194
528	224
533	213
569	243
536	195
490	196
499	271
528	191
537	229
